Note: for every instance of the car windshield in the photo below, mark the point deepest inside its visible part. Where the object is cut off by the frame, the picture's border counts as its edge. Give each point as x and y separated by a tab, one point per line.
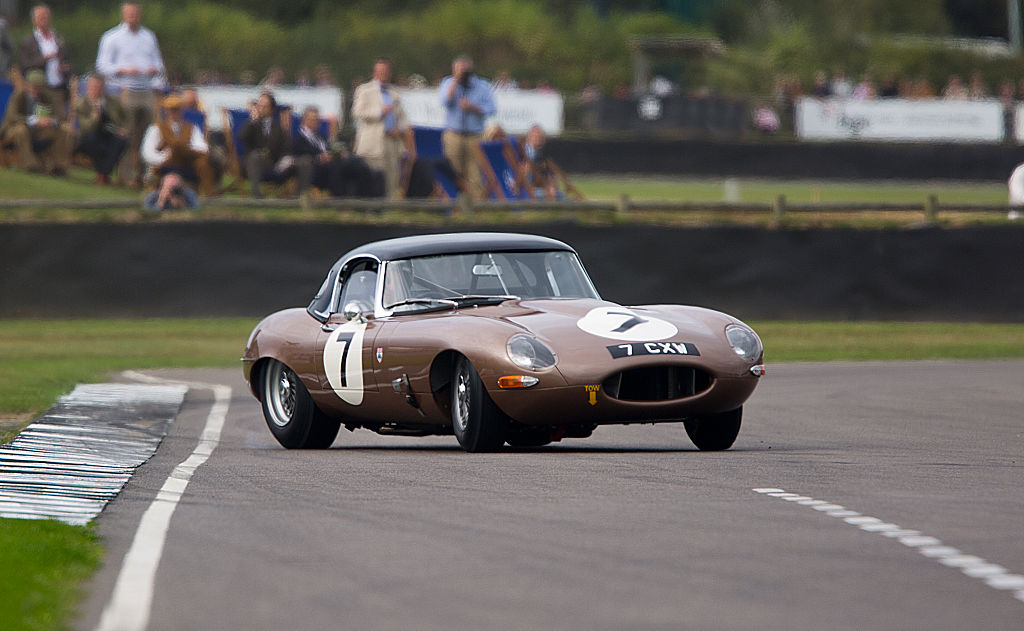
454	279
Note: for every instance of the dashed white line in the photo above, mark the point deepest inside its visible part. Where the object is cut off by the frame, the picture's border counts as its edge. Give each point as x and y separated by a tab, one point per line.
995	576
131	602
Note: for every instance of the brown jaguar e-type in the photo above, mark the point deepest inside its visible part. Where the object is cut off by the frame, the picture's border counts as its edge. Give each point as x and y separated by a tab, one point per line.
496	338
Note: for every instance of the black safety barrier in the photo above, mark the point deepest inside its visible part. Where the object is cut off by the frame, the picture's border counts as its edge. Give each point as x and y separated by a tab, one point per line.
649	114
250	269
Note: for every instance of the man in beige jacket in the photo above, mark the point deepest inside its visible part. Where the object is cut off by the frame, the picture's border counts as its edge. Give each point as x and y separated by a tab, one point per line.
381	126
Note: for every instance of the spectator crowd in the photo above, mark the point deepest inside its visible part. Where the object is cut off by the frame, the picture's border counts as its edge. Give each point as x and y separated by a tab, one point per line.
135	130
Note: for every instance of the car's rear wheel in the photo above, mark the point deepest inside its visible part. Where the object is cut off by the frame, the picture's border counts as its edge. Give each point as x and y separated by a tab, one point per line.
714	432
291	415
478	424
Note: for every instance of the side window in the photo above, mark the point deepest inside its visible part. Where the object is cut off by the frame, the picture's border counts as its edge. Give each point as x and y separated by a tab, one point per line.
359	286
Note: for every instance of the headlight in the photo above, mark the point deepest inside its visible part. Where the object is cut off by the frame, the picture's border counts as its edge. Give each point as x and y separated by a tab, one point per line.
744	342
529	352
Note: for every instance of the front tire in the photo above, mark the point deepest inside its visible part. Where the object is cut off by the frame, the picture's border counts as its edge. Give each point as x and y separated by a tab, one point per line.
714	432
478	424
291	415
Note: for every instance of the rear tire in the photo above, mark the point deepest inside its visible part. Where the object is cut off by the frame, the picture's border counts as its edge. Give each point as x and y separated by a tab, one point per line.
714	432
291	415
478	424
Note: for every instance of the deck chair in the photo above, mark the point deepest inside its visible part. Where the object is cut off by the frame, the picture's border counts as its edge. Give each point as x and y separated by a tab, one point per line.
502	166
198	119
565	184
6	90
429	148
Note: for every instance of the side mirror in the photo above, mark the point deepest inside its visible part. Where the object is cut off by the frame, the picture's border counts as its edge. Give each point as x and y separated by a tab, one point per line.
353	312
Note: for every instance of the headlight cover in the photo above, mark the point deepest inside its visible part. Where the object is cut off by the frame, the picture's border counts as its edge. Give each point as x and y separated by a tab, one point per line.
744	341
528	352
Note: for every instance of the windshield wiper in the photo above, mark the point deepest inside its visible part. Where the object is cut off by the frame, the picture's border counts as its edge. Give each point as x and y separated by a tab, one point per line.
472	297
422	301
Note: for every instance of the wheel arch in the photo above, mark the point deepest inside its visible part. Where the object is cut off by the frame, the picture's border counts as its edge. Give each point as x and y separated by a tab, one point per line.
441	371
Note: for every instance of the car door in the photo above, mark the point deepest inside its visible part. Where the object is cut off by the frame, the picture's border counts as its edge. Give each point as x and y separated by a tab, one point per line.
344	347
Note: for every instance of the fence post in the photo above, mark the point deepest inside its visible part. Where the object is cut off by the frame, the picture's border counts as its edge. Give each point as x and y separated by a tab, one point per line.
779	207
931	209
464	203
622	207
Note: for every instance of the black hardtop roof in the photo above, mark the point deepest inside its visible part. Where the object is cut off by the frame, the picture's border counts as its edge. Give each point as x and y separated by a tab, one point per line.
453	243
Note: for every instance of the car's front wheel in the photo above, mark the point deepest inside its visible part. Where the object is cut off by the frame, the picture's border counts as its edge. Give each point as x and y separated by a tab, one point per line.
291	415
714	432
478	424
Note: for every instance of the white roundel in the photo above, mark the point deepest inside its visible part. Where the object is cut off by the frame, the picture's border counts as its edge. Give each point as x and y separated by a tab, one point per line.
620	323
343	362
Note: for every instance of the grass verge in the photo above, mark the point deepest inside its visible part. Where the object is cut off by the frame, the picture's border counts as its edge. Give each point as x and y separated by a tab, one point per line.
42	567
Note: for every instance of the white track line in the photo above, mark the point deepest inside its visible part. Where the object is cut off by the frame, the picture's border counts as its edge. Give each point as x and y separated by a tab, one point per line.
131	602
995	576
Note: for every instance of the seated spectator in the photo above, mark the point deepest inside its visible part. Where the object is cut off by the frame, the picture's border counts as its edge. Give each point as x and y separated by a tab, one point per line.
266	144
315	162
176	146
537	172
172	194
35	126
195	112
102	130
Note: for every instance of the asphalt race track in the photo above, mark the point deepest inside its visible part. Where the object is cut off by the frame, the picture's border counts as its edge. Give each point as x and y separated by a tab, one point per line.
858	496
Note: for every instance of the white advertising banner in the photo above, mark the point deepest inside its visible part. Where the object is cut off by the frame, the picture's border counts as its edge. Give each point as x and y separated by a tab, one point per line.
899	120
330	101
518	110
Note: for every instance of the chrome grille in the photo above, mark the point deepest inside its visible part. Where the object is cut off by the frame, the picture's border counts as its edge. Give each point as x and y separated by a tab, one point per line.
656	383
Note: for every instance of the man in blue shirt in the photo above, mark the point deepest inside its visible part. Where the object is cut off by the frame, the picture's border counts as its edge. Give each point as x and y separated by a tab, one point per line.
468	101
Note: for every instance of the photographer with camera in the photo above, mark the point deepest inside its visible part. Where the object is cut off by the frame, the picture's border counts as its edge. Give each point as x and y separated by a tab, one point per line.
172	194
468	100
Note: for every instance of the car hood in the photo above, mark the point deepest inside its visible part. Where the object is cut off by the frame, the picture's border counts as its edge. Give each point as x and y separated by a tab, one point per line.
582	330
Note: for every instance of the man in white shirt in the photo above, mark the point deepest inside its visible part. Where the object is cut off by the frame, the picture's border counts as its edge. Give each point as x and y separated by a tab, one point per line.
129	58
177	146
44	50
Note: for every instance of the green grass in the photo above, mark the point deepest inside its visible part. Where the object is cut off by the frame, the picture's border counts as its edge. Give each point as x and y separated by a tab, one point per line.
41	360
874	341
754	190
42	566
78	185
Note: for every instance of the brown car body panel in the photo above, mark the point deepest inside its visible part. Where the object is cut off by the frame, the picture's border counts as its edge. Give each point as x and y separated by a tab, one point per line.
409	345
